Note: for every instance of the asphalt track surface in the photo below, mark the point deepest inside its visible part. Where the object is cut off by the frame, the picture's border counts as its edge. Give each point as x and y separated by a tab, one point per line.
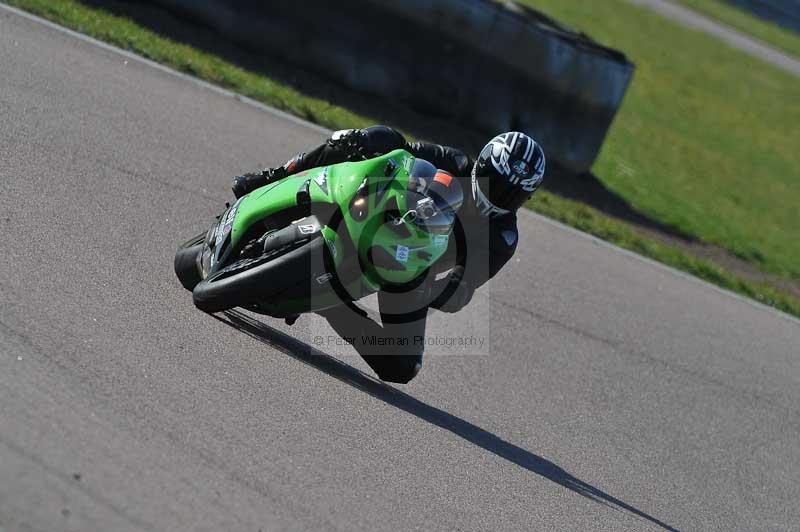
613	393
694	20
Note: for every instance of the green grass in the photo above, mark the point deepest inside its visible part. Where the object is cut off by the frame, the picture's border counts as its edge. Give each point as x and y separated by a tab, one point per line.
707	139
765	31
129	35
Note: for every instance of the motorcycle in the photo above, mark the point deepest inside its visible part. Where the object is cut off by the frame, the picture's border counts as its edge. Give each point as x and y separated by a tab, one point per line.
326	236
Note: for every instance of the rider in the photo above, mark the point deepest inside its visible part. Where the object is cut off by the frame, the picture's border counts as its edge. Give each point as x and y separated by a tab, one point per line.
506	173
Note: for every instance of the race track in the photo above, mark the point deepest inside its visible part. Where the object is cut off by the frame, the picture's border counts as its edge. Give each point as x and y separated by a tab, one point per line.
612	393
732	37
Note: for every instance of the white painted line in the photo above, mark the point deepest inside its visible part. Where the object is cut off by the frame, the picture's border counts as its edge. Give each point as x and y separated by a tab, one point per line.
318	128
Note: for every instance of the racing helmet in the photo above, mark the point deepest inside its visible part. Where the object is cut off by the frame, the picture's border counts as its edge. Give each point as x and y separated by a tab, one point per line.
507	172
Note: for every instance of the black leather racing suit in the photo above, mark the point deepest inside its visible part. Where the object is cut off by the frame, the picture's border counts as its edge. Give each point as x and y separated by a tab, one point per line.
478	251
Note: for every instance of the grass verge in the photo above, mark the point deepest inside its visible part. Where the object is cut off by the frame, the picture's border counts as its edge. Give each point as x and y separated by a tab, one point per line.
128	35
706	140
772	34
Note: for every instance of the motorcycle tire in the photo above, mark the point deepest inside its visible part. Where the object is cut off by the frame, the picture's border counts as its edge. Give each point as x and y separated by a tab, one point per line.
187	262
284	273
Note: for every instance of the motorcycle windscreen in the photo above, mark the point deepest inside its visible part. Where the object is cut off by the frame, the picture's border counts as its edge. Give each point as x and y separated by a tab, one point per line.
434	197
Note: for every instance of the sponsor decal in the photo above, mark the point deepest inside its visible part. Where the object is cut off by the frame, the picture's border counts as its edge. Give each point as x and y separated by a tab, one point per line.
324	278
307	229
322	180
442	275
402	254
332	248
521	168
443	178
225	226
408	163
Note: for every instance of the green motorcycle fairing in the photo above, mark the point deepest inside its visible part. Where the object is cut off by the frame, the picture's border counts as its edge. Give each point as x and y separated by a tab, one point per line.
372	197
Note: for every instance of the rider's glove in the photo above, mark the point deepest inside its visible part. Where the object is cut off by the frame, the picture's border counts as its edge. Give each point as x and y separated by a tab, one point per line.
352	143
246	183
274	174
459	291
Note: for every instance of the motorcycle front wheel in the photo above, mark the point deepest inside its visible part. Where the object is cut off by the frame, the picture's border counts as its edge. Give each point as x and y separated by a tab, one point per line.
187	262
281	274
